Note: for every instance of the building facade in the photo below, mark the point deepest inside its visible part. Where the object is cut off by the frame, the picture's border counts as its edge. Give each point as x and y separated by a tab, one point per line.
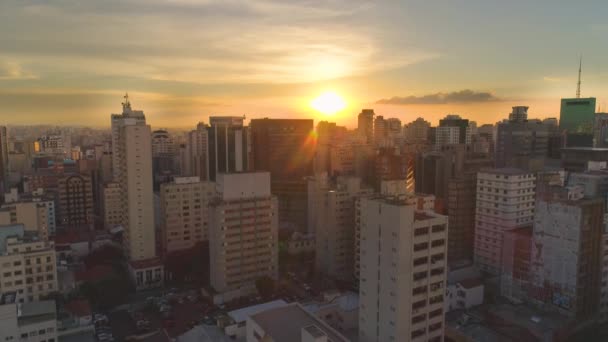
75	200
403	271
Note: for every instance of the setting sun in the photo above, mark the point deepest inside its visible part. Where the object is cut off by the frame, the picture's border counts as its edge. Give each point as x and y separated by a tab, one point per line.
328	103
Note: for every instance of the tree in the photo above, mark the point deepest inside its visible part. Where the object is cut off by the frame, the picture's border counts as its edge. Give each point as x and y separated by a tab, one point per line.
265	286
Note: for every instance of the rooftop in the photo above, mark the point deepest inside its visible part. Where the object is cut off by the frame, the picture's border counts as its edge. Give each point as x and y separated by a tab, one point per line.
286	324
241	315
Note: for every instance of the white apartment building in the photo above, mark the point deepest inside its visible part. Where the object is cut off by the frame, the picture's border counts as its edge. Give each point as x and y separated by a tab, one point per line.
132	157
505	201
333	216
184	213
112	205
447	135
243	233
27	267
403	271
31	322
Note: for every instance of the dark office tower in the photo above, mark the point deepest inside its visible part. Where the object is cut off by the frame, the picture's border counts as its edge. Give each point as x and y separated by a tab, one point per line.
228	146
3	159
75	201
389	164
285	148
576	118
453	120
365	124
522	143
461	192
380	130
163	157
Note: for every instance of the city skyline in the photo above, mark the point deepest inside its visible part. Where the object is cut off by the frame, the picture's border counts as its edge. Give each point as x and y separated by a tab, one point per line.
183	61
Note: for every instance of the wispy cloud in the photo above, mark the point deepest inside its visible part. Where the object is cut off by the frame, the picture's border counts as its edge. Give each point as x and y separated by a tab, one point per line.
462	96
13	71
552	79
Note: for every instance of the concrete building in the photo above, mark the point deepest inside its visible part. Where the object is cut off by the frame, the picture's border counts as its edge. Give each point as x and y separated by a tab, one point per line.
417	130
600	130
164	157
365	124
566	252
28	267
380	131
75	194
196	153
391	164
243	233
332	214
31	322
403	271
33	215
516	263
184	213
131	142
112	205
228	146
290	323
447	135
505	201
464	130
523	143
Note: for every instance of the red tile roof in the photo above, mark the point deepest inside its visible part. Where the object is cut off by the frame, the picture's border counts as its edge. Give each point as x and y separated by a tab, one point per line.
79	308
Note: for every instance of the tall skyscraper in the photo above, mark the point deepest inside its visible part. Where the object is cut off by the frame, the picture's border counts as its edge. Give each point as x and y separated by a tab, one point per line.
243	233
163	157
403	271
365	124
453	120
505	201
228	146
417	130
576	119
285	148
132	146
380	131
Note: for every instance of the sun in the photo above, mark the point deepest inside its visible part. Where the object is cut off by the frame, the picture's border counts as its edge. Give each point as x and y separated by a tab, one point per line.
328	103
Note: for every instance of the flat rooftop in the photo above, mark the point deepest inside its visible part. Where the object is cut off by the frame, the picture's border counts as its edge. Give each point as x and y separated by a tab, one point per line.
286	324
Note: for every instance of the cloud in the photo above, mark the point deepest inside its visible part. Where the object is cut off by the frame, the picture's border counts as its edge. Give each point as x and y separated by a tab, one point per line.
13	71
462	96
207	41
552	79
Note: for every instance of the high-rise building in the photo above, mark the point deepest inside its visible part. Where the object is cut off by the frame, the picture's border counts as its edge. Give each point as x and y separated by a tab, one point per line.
4	167
163	157
365	124
285	148
332	219
197	154
505	201
184	213
28	265
380	131
330	137
33	215
522	143
75	201
417	130
403	271
132	144
228	146
463	132
447	135
577	115
566	259
243	233
390	164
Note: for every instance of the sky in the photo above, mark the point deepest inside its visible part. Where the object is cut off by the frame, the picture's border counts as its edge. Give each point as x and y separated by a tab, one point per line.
69	62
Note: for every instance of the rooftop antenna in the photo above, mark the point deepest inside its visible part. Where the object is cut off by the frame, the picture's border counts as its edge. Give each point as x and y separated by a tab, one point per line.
578	86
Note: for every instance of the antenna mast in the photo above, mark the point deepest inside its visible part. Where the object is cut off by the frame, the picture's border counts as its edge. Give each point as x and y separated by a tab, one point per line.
578	86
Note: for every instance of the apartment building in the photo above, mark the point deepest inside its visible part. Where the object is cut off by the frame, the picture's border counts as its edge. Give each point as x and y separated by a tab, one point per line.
403	271
243	233
504	201
75	200
34	215
184	213
333	218
112	205
28	266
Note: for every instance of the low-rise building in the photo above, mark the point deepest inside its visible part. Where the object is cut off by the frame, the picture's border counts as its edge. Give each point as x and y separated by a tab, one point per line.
31	322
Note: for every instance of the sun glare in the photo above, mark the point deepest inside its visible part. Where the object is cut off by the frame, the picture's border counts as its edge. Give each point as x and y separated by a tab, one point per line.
328	103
